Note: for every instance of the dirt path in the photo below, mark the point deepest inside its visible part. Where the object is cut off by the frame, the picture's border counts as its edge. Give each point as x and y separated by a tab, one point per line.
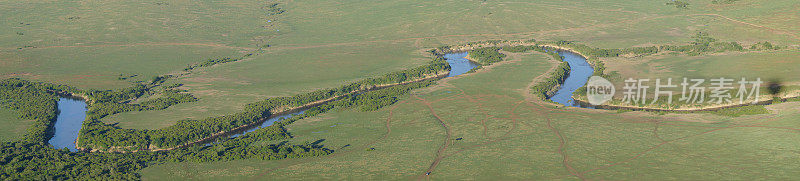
441	151
773	30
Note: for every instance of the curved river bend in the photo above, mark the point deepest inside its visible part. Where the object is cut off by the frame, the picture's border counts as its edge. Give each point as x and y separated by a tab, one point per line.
580	71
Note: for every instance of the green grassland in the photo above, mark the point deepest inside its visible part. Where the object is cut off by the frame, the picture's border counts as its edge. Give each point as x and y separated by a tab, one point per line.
321	44
88	44
100	68
773	65
13	127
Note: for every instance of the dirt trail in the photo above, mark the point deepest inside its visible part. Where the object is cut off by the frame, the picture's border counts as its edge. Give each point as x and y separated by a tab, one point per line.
773	30
441	151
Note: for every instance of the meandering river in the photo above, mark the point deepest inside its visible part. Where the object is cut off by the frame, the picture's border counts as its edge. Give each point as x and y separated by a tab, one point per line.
72	112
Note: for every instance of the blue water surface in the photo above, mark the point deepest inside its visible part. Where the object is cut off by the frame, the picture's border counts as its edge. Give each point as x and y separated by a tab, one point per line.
458	64
72	113
579	74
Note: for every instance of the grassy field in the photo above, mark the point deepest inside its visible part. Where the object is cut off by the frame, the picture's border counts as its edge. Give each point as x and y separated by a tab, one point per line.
100	68
13	127
321	44
780	65
88	44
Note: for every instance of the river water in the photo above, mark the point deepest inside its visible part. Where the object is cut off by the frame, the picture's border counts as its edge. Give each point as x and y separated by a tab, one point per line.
580	71
268	122
72	113
458	63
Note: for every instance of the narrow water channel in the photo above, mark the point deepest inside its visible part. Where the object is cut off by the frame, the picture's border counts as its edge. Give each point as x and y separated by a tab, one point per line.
268	122
580	71
71	114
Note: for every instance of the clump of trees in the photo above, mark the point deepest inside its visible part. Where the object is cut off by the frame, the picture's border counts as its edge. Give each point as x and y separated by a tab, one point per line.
723	1
486	56
546	87
100	109
273	9
210	62
679	4
764	46
703	43
600	52
108	102
215	61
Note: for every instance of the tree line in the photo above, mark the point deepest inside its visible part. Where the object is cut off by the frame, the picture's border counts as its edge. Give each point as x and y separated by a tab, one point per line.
24	160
